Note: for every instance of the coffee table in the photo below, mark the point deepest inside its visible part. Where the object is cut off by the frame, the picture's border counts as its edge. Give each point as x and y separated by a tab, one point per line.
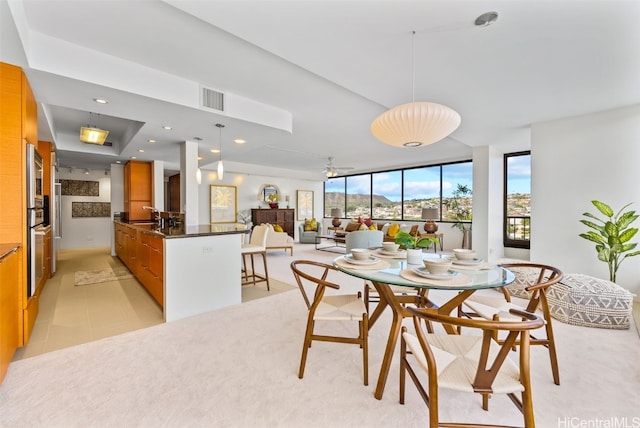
337	240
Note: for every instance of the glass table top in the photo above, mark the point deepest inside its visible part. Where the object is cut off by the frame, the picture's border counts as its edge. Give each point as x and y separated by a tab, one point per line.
485	278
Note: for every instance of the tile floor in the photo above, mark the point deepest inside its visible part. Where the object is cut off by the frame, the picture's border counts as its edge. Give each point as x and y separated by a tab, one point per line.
71	315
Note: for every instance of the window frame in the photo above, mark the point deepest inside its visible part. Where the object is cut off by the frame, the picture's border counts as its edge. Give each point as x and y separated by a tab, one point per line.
507	241
402	181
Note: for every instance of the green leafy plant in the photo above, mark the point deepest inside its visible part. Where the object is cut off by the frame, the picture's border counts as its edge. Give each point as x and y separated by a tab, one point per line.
611	235
459	208
411	242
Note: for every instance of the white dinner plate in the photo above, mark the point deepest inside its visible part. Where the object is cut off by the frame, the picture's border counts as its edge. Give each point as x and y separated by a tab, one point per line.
424	272
370	261
392	253
472	262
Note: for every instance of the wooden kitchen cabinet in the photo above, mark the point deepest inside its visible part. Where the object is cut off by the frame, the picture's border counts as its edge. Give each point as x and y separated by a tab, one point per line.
10	308
285	217
138	190
151	264
18	127
143	254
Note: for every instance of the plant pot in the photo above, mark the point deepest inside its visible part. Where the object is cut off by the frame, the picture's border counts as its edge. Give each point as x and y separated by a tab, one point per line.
414	256
273	205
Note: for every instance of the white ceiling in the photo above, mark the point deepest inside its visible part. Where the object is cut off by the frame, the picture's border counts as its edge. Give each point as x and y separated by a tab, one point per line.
329	67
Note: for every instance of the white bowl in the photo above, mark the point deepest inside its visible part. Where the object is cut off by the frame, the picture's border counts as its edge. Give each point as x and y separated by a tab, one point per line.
360	253
463	254
390	246
437	266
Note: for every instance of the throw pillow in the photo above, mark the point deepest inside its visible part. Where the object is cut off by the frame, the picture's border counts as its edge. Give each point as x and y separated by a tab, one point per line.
368	222
277	228
363	227
353	225
310	225
393	230
373	227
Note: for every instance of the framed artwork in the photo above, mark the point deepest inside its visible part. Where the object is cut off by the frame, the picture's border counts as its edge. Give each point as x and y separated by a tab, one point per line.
305	204
224	204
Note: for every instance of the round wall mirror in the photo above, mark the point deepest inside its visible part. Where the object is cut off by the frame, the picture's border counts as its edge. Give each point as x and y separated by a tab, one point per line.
266	192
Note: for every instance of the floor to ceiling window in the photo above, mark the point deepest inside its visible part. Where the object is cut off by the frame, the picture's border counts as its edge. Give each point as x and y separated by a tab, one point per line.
517	199
402	194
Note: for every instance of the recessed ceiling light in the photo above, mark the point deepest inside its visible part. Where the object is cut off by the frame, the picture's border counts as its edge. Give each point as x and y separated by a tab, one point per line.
133	157
215	150
118	162
200	157
167	127
486	19
151	141
239	141
101	101
140	150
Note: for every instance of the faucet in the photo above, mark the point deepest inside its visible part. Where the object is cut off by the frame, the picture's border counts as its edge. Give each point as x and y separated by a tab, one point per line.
155	214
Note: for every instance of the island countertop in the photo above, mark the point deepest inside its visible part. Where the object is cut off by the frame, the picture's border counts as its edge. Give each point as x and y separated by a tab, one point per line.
183	231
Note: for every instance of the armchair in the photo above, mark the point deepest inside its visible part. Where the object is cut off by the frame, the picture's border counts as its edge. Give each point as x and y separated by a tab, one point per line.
279	240
309	236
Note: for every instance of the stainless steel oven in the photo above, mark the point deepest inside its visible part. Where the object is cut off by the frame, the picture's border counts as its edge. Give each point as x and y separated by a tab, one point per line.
35	217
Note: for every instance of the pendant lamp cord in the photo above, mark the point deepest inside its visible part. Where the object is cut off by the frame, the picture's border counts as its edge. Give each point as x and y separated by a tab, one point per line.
413	66
220	126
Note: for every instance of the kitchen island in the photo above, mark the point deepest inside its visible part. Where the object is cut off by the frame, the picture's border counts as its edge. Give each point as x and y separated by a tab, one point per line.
187	269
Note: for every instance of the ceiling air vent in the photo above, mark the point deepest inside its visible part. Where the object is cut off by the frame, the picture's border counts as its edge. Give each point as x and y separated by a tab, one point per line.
211	99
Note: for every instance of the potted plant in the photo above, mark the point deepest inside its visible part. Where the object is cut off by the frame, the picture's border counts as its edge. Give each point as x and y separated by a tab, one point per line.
611	235
461	211
414	245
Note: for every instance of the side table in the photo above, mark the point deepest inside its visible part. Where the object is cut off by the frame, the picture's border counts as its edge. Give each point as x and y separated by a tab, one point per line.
438	235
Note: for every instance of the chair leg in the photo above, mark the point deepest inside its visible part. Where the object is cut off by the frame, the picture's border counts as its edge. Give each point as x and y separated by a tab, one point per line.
553	357
266	272
305	347
364	337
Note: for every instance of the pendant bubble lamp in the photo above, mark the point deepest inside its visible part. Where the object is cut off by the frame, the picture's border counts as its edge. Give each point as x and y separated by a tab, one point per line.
417	123
220	165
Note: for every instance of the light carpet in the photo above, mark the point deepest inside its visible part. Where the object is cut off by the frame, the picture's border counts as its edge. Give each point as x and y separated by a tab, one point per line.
237	367
259	291
96	276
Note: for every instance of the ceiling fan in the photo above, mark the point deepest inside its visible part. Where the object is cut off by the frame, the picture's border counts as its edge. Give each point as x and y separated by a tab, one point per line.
332	170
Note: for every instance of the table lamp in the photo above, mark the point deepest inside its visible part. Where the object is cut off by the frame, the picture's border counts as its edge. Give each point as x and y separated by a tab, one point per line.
336	213
430	214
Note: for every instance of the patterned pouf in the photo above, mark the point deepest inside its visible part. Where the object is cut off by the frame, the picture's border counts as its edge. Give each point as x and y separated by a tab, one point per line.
524	277
591	302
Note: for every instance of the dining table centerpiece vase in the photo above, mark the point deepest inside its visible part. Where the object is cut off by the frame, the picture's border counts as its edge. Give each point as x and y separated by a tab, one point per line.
414	246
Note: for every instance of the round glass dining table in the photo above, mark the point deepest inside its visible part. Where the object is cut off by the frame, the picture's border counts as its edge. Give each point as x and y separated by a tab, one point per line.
487	276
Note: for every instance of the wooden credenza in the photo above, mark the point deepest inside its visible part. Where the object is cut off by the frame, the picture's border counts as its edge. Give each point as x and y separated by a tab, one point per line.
285	217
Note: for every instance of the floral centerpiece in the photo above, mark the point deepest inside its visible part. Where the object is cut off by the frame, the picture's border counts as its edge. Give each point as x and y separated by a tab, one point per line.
273	200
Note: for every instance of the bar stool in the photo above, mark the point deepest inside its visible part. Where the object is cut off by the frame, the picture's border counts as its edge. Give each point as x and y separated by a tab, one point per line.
257	245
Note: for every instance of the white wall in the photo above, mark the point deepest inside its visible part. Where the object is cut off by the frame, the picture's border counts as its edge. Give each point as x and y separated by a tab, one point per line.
574	161
85	232
248	186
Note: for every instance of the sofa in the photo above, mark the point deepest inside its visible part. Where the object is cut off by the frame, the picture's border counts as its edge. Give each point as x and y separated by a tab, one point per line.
309	236
278	240
384	228
363	239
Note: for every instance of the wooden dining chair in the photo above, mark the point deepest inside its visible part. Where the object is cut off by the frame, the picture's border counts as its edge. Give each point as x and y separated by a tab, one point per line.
257	246
532	280
468	363
333	307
